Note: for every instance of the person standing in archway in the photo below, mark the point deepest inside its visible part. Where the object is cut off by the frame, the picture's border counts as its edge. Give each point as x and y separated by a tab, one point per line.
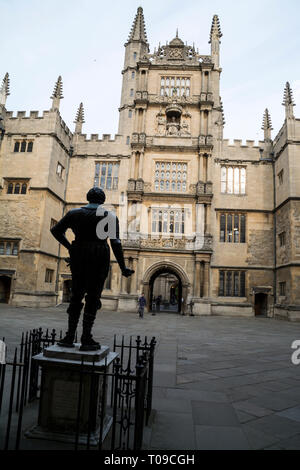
142	304
182	306
158	302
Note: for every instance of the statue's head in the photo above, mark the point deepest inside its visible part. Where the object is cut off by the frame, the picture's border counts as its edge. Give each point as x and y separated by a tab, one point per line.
96	196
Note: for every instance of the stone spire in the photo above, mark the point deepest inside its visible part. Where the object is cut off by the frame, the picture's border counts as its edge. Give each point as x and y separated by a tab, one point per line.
79	119
215	32
288	101
267	125
214	40
57	94
4	90
138	30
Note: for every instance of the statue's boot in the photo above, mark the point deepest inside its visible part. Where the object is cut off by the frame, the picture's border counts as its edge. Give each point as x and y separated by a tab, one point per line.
87	342
74	314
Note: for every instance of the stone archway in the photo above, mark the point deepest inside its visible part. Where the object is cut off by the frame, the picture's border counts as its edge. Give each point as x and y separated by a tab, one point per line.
166	267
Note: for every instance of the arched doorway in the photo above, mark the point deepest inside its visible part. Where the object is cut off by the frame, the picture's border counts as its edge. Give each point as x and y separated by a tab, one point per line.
5	285
166	290
168	280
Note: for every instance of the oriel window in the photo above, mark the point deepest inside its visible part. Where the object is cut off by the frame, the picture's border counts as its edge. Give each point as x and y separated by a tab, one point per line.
170	176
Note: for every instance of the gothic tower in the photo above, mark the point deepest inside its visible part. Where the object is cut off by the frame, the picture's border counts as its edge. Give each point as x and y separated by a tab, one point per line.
135	49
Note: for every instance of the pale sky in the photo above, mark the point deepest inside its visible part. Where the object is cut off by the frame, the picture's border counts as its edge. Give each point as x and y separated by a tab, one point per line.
83	40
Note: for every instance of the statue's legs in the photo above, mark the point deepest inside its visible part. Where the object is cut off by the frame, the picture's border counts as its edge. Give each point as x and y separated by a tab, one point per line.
92	304
74	311
89	267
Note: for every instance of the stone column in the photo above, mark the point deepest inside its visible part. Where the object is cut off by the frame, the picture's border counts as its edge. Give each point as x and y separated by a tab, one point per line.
201	122
207	218
206	279
133	277
200	167
209	88
197	279
204	178
144	120
208	167
132	166
141	165
209	119
136	120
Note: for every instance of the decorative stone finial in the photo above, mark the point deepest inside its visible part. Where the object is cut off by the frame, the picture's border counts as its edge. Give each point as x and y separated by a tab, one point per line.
288	101
267	125
57	94
215	32
79	119
4	90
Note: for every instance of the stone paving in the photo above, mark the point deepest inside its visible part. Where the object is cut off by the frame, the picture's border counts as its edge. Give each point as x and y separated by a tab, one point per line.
219	382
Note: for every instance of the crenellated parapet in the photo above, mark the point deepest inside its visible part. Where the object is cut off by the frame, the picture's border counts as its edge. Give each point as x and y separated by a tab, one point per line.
238	143
95	145
50	122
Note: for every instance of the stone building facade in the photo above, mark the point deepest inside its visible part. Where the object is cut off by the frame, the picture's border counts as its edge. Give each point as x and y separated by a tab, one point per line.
223	219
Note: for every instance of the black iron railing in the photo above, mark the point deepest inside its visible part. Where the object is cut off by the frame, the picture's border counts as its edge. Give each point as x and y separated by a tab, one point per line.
128	384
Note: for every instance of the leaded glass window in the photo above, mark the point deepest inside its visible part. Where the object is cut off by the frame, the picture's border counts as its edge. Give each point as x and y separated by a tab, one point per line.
170	176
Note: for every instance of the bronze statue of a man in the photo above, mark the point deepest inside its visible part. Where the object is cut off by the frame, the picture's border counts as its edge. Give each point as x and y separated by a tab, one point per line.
89	262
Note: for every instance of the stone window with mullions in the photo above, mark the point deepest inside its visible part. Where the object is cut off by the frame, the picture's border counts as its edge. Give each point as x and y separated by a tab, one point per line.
169	221
175	86
49	275
107	175
9	247
232	228
23	146
170	177
282	289
232	283
16	187
233	180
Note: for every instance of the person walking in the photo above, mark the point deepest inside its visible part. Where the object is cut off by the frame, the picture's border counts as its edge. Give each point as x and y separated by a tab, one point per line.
142	303
153	306
158	302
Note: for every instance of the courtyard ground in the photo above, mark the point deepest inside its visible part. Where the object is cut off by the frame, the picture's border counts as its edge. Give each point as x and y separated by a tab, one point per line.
219	382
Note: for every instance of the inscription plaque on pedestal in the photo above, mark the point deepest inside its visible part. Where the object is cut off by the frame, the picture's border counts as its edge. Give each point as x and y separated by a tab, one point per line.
65	399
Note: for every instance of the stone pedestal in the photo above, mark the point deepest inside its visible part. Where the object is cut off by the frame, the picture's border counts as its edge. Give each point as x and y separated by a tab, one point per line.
64	378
